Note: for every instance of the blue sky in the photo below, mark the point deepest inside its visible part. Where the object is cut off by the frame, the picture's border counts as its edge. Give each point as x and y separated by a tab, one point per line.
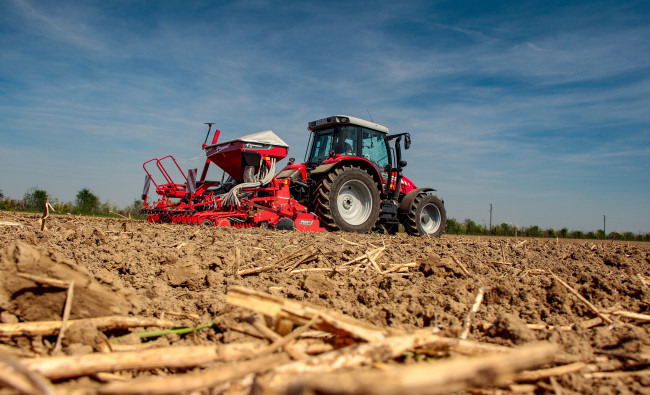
541	108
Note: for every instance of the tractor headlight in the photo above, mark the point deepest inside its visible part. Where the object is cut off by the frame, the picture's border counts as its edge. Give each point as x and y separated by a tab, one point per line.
322	121
325	121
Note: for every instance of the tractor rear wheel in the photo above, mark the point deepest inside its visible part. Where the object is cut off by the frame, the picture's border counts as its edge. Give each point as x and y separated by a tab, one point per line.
347	199
427	216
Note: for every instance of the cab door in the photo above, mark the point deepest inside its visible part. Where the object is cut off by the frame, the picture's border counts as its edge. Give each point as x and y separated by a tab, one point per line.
373	149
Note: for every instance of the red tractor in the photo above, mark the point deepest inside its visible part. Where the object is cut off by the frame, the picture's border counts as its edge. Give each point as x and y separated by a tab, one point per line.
351	180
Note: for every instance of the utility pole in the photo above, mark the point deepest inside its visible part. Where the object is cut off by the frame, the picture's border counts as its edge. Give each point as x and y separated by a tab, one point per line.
490	217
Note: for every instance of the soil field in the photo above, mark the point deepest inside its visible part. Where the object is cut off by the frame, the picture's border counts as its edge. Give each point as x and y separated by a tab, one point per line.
284	312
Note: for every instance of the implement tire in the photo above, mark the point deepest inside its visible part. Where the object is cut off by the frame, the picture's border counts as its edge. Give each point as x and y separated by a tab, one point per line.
426	216
347	199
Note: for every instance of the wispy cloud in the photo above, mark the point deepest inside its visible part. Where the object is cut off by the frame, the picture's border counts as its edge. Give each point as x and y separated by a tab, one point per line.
65	22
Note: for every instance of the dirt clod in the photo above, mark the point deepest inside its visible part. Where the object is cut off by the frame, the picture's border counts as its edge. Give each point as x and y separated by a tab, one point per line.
511	328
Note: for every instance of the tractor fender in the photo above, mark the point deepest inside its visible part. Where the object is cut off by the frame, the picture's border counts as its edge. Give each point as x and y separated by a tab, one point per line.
292	174
321	170
293	171
324	169
405	205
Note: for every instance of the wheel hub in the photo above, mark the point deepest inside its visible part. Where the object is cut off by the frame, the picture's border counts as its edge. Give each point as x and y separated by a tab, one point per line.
347	203
430	218
354	202
425	219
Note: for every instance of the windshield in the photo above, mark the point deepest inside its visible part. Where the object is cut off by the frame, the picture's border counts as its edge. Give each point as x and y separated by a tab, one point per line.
320	146
342	140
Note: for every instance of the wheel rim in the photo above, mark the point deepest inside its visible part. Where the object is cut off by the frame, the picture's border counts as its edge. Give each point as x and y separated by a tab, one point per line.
354	202
430	218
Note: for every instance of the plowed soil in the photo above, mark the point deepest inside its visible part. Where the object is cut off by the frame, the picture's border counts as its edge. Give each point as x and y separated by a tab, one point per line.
180	272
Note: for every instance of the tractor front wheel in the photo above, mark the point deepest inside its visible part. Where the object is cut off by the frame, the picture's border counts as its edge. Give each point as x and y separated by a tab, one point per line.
427	216
348	199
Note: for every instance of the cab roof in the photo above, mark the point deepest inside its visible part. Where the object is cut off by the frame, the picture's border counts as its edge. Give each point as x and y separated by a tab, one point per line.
345	120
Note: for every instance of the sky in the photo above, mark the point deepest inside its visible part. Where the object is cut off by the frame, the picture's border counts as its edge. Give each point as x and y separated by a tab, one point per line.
540	108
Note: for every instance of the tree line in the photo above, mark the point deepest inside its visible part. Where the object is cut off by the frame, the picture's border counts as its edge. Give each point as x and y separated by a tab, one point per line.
469	227
86	202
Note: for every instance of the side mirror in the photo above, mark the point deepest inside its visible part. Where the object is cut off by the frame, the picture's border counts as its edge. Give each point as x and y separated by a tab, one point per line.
402	164
407	141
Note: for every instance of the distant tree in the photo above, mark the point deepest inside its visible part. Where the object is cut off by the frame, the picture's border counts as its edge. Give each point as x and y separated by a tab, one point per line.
105	208
61	207
576	234
550	232
9	204
34	199
453	227
472	228
87	202
134	211
3	202
533	231
600	234
628	236
563	232
590	235
505	230
614	236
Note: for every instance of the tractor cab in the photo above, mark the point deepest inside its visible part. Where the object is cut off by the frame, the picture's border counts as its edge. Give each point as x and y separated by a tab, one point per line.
344	136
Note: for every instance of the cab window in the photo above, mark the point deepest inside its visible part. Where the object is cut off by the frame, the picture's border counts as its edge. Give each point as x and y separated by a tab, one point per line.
374	149
346	141
321	146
